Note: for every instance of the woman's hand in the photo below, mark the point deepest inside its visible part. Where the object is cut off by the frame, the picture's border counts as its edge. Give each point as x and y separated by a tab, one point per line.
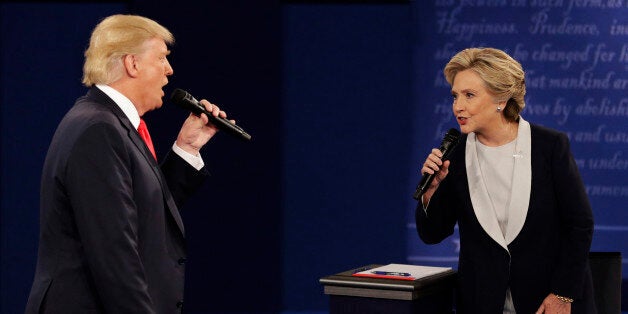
434	164
552	305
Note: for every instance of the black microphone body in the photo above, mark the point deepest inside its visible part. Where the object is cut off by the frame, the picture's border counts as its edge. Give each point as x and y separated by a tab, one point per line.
184	100
446	147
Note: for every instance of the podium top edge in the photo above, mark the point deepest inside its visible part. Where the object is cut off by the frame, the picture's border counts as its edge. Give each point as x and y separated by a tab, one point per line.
346	279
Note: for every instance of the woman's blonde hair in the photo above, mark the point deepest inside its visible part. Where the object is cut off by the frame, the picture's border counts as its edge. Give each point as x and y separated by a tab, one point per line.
113	38
502	74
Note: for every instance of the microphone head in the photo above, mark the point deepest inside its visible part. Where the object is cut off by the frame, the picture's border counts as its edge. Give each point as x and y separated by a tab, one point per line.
185	100
449	142
452	135
178	95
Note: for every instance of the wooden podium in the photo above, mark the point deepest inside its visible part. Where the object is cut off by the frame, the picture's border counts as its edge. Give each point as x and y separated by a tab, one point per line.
351	294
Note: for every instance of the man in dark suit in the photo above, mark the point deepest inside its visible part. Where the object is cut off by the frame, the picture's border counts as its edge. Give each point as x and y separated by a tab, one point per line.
111	237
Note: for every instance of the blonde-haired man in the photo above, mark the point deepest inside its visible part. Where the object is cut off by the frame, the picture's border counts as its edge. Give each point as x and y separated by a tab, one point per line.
111	237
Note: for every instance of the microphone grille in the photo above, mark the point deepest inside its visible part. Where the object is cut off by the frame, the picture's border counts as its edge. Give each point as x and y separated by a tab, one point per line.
177	95
452	135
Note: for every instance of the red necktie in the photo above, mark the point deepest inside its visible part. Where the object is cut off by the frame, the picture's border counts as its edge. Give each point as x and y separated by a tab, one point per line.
143	130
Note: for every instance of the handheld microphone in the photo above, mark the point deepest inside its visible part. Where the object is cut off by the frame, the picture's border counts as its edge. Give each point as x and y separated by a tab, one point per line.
446	147
184	100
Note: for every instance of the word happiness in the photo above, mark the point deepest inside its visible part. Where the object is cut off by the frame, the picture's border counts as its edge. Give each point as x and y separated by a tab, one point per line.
545	21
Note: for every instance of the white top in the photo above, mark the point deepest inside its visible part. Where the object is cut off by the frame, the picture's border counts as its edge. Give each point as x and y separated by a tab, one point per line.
496	167
130	111
520	178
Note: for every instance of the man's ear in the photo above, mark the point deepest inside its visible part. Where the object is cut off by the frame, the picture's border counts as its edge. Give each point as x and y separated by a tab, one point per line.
130	65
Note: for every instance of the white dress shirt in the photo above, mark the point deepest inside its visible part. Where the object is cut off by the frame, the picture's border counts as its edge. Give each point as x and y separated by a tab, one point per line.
130	111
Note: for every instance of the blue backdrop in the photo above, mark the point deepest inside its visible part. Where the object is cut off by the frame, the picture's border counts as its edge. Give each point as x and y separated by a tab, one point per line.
575	54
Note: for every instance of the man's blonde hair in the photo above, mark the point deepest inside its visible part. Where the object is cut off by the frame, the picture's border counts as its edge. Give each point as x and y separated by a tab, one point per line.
113	38
502	75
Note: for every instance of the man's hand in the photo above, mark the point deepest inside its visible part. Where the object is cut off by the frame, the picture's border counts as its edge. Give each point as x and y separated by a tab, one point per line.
196	131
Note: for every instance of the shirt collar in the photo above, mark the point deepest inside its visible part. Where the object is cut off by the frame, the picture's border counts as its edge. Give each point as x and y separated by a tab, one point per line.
123	102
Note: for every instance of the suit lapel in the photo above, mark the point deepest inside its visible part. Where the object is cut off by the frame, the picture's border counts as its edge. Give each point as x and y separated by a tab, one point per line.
135	138
148	156
478	192
520	190
521	182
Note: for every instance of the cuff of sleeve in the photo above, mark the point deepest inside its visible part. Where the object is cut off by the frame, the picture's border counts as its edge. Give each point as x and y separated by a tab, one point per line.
563	299
424	205
194	161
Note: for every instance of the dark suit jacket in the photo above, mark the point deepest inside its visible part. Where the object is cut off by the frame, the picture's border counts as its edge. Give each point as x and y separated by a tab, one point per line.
548	255
111	238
